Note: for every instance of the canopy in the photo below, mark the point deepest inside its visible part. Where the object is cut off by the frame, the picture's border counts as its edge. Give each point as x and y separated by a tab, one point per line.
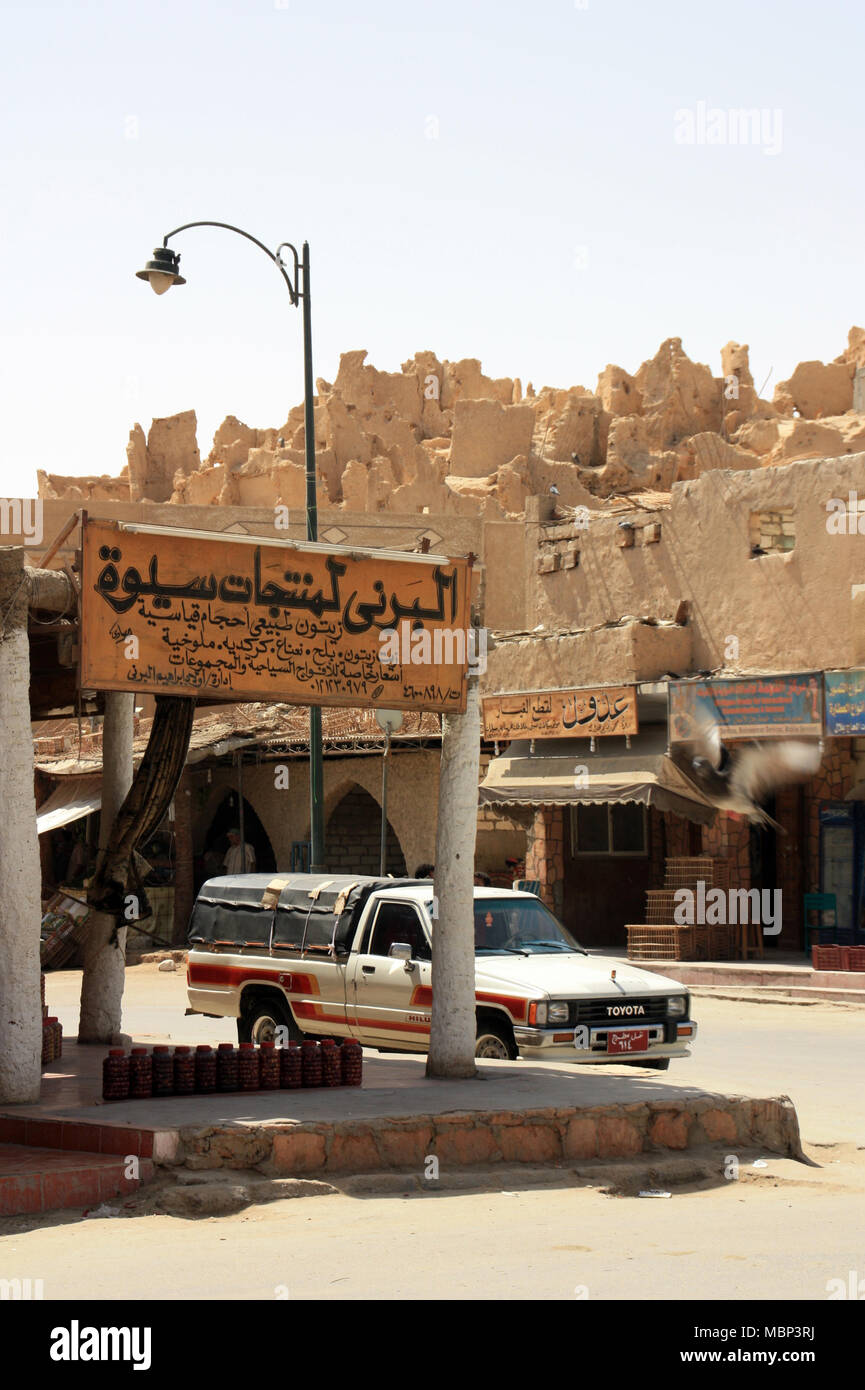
72	798
564	773
313	912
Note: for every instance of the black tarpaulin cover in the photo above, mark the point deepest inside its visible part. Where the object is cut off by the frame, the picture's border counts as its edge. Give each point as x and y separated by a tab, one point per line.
314	912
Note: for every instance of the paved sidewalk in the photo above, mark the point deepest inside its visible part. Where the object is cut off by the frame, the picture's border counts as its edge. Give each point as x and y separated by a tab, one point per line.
779	972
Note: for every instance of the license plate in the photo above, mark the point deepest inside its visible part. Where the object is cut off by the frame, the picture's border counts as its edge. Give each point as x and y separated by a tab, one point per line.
628	1040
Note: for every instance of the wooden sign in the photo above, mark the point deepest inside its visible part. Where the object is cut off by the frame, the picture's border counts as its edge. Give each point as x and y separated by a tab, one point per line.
240	619
562	713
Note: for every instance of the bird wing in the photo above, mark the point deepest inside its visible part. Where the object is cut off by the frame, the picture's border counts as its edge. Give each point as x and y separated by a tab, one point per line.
760	768
704	740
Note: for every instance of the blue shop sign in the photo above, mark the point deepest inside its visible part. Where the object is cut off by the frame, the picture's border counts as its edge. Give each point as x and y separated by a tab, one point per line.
845	702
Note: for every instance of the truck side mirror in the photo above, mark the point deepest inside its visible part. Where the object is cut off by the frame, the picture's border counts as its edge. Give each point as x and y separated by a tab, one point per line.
400	950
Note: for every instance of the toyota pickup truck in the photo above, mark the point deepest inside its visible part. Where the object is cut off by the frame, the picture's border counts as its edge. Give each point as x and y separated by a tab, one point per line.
335	956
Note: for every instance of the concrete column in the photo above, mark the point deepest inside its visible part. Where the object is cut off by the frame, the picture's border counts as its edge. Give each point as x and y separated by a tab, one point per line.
453	1024
104	961
20	895
183	859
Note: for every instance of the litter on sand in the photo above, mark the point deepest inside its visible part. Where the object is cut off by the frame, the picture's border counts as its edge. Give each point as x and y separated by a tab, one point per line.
759	1163
654	1192
100	1212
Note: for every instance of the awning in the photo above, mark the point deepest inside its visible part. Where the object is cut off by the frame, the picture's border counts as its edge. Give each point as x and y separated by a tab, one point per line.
71	799
554	776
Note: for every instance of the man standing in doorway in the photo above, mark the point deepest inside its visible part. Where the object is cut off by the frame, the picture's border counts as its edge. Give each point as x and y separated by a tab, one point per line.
239	858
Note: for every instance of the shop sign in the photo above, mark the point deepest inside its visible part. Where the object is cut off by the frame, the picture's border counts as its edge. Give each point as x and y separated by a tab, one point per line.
788	706
249	620
561	713
845	702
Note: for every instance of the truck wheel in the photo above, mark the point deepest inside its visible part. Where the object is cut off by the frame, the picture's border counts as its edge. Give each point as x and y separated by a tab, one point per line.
259	1021
494	1043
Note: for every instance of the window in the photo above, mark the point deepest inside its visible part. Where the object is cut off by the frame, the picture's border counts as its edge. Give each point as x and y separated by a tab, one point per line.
609	828
772	532
396	922
514	926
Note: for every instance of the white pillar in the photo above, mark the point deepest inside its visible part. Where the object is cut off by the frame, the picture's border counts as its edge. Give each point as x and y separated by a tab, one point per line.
453	1025
105	963
20	871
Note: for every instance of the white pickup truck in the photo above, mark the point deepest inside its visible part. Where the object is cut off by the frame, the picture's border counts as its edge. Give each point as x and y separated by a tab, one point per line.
331	956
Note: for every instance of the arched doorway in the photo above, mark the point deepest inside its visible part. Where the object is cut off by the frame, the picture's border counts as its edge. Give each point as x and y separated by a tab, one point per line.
353	837
226	817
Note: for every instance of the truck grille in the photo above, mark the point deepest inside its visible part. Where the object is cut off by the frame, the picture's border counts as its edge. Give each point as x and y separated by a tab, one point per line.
631	1011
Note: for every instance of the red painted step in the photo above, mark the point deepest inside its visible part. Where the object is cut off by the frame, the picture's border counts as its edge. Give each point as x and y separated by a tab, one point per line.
80	1135
37	1179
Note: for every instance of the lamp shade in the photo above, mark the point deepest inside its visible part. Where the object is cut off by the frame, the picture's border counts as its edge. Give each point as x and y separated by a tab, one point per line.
163	271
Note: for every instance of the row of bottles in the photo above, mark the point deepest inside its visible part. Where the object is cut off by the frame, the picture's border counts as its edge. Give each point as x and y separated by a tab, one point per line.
186	1071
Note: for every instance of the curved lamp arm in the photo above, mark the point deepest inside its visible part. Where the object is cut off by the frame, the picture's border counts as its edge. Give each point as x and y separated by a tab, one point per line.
293	289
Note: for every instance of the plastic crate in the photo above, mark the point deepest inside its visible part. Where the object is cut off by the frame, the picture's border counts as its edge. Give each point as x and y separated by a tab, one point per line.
853	958
660	942
828	957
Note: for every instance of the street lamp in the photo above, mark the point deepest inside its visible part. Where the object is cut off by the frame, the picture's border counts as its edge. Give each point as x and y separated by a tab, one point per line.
162	272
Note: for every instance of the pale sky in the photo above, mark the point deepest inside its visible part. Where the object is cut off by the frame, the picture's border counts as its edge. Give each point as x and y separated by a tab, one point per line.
486	179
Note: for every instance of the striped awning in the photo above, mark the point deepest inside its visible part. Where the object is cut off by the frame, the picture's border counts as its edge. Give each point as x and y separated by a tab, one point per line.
564	773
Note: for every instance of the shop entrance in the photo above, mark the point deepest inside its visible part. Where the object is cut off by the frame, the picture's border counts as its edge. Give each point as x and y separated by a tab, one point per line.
606	865
210	863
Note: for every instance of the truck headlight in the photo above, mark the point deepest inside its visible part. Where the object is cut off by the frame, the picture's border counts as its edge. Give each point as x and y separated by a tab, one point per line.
677	1006
558	1013
538	1014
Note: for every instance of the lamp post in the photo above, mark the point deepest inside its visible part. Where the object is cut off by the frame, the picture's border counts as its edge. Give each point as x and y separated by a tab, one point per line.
164	271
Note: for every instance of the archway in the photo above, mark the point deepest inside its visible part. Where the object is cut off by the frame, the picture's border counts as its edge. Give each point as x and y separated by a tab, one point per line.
353	837
225	818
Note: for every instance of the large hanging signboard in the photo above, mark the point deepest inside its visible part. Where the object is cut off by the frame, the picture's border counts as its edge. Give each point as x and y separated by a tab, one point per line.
845	702
561	713
769	706
237	619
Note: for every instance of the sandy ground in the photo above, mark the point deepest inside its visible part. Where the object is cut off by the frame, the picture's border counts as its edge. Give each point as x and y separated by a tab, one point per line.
781	1231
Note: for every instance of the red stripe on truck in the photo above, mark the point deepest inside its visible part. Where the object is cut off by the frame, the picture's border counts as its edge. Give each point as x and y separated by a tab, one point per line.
215	973
234	975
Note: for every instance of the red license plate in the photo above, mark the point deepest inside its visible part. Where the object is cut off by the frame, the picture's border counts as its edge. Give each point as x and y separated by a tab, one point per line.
628	1040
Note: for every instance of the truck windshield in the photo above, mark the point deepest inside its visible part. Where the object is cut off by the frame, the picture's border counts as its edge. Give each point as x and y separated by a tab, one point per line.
518	926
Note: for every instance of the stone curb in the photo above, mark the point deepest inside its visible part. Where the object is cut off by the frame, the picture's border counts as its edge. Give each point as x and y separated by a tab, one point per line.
468	1138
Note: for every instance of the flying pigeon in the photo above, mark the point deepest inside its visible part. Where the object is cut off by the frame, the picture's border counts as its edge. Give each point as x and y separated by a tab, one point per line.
738	779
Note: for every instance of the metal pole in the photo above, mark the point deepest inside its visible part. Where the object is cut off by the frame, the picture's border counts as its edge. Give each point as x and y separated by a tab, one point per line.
240	824
383	852
316	768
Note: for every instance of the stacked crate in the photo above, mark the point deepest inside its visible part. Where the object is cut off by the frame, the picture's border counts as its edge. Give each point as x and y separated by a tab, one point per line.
661	938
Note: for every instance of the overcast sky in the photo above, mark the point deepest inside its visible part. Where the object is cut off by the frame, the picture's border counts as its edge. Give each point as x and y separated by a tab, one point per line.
547	187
